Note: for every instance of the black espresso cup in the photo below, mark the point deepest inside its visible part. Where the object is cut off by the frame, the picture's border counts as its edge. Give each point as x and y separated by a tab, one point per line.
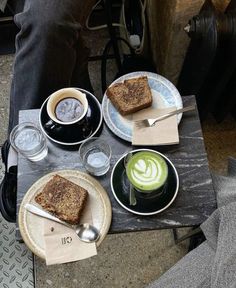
66	108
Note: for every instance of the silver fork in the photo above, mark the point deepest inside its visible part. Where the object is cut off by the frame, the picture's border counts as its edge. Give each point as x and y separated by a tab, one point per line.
151	122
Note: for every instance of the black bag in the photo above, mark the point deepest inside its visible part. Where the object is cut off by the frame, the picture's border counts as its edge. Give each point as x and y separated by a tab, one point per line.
130	63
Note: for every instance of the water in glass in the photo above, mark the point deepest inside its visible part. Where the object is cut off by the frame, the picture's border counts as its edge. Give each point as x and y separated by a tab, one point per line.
96	161
95	154
28	140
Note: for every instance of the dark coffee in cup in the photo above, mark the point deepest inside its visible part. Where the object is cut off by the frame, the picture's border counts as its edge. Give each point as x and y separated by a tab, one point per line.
69	109
67	106
147	172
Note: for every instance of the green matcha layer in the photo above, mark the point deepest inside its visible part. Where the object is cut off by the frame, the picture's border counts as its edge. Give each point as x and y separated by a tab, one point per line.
147	171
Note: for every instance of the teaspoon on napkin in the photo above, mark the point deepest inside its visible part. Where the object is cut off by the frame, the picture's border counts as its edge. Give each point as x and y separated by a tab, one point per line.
86	232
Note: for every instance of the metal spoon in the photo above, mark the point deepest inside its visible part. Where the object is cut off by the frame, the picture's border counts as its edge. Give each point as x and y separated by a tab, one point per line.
132	198
86	232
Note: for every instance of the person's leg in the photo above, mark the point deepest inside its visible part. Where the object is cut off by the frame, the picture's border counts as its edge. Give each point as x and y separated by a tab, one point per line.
48	47
80	77
49	54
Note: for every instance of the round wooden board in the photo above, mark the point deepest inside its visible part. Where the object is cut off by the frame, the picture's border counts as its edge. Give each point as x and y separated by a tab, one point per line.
31	226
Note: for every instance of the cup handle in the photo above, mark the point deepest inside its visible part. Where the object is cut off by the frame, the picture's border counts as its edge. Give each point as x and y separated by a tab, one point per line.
50	125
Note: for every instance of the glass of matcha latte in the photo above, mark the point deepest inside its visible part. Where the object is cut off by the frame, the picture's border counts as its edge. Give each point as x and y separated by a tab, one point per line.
147	172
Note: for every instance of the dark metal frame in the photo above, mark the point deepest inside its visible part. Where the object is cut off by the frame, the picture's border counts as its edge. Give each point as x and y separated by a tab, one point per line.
193	232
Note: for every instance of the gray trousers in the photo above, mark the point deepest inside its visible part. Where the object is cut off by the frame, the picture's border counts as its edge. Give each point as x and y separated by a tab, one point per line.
50	53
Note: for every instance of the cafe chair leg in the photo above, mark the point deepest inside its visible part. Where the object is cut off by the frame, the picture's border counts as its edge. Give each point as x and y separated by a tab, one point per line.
186	236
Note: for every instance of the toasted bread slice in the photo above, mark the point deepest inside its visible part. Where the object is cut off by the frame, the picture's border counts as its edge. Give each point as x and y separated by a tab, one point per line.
63	198
131	96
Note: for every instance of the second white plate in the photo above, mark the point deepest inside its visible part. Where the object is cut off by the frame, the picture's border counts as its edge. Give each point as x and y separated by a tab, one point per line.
164	95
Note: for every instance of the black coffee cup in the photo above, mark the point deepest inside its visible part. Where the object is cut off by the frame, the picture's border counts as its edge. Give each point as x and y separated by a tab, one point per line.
66	93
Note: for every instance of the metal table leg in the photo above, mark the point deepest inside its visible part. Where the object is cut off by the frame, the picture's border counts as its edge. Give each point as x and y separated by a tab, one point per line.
188	235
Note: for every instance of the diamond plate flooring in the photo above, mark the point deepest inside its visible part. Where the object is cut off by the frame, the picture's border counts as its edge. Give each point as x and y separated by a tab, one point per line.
16	261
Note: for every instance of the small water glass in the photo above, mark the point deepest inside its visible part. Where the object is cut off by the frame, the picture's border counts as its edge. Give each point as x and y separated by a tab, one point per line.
95	155
28	140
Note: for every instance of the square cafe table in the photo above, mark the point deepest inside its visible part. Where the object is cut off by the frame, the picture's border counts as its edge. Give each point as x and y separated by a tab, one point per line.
195	200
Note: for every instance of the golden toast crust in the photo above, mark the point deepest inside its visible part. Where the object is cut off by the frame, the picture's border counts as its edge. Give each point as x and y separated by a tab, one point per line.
131	96
63	198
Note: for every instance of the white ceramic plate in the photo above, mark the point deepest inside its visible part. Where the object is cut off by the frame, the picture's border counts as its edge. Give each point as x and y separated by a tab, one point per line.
164	95
31	226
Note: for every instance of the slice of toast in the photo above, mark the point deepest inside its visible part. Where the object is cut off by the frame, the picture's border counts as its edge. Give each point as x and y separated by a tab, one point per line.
131	96
63	198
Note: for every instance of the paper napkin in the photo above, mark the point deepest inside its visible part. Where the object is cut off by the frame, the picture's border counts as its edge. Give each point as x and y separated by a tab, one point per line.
62	244
164	132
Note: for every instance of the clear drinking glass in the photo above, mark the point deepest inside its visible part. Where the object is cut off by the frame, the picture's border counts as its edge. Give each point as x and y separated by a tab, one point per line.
27	139
95	154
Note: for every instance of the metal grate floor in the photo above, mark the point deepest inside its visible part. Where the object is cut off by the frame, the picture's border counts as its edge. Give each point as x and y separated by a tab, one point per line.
16	261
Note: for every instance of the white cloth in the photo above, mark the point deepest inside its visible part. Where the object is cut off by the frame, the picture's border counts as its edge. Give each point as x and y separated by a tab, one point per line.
3	4
12	158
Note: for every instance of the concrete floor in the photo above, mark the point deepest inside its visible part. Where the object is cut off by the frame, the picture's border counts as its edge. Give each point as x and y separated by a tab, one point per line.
124	260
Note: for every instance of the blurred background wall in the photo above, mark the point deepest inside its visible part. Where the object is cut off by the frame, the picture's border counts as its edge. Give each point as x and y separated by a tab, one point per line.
168	40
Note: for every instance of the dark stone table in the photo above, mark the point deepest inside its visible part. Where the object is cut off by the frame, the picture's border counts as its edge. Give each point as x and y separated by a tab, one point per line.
194	202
